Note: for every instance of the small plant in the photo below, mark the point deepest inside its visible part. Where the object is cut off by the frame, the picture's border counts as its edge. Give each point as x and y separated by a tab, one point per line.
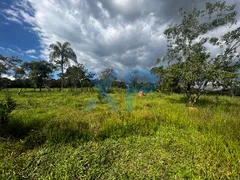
6	107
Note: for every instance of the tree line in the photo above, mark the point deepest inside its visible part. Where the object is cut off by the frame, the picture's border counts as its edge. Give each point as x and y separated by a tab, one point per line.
39	74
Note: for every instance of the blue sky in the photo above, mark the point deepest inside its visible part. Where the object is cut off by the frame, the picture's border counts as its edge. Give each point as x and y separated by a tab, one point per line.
16	39
118	34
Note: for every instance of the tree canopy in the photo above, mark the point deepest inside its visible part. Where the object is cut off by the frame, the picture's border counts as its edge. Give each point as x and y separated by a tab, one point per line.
60	55
190	65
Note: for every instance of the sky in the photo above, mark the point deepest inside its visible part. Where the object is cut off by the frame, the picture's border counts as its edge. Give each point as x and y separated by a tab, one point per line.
119	34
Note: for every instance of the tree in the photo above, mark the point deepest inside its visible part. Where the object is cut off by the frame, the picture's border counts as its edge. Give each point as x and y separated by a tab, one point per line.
168	78
107	76
20	76
38	72
187	55
60	54
78	76
134	78
228	62
7	64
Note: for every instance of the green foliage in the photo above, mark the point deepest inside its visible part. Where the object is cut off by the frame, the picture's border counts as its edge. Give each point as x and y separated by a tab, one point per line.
6	107
38	72
168	78
190	66
78	76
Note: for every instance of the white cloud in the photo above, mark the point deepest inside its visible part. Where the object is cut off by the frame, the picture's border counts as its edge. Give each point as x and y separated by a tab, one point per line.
99	40
31	51
104	33
18	48
10	50
34	57
7	76
18	51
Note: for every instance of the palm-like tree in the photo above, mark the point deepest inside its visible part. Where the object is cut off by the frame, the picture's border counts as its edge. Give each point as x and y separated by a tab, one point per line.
60	54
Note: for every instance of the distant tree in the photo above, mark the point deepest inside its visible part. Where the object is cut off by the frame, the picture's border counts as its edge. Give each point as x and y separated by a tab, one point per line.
75	75
187	56
38	72
119	84
134	78
60	54
19	75
7	64
78	76
107	76
19	72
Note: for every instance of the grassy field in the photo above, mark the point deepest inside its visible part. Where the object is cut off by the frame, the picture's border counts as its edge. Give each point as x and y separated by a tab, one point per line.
53	135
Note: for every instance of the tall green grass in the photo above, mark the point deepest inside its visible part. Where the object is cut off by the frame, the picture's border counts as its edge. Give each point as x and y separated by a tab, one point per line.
51	135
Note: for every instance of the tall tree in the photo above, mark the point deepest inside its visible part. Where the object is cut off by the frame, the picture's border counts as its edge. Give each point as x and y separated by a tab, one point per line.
38	72
187	54
60	54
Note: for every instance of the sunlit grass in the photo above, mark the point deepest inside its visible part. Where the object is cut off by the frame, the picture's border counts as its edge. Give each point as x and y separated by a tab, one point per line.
52	135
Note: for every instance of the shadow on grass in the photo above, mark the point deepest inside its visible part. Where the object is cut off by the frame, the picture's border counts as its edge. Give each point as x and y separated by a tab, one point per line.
135	128
36	133
67	132
203	102
17	129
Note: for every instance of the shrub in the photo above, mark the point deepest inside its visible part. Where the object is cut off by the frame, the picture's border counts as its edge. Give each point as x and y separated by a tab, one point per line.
6	107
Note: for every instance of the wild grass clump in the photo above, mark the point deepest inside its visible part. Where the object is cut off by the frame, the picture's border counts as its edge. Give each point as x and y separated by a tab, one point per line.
67	131
143	127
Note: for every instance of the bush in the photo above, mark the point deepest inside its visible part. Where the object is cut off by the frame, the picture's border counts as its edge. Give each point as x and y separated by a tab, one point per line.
6	107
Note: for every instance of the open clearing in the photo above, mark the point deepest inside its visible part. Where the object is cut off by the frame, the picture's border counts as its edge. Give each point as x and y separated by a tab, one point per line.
53	135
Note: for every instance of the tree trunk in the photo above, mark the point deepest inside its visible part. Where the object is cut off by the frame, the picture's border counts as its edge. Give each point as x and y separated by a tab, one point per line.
62	74
232	92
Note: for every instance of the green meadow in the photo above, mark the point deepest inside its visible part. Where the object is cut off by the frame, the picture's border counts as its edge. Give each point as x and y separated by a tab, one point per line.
54	135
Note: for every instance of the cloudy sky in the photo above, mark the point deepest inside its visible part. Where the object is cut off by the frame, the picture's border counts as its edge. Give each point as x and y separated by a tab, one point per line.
117	34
